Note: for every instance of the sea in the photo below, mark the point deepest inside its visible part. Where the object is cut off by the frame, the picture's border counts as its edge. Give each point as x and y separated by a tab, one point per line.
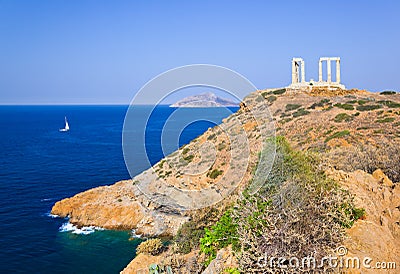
40	165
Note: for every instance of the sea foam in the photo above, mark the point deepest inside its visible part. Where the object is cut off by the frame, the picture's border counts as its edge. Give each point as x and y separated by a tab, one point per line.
48	214
85	230
134	235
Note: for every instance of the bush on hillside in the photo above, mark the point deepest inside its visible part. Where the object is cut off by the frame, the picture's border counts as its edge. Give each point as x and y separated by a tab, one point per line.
343	117
387	92
344	106
290	107
368	107
151	246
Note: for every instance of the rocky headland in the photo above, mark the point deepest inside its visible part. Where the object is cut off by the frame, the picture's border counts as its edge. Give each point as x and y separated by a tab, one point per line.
356	134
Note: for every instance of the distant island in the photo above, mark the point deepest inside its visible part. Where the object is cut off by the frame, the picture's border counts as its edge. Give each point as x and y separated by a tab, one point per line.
207	99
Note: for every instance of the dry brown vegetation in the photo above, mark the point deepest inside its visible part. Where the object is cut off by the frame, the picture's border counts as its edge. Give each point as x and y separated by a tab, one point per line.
150	246
299	213
369	157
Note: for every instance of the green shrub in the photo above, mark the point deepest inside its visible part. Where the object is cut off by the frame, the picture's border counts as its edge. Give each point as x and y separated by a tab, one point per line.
389	104
265	94
284	114
385	120
279	91
368	107
343	117
159	269
353	213
300	112
214	173
221	146
151	246
188	237
188	158
337	134
167	173
211	136
321	103
271	98
387	92
274	92
290	107
344	106
231	271
222	234
185	150
362	102
161	164
286	120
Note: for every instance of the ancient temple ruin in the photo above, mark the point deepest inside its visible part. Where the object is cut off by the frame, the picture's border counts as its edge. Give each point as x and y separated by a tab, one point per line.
298	69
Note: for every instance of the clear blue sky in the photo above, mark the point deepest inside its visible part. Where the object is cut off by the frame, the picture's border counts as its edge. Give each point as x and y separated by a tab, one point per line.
104	51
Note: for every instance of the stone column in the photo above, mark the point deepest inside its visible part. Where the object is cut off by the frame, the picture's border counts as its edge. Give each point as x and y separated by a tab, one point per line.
294	72
338	71
328	63
320	71
303	72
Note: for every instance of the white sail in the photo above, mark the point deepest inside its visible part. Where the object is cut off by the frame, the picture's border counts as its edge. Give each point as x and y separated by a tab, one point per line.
66	127
66	124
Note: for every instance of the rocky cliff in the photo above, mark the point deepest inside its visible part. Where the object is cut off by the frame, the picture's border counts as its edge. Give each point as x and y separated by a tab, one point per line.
354	131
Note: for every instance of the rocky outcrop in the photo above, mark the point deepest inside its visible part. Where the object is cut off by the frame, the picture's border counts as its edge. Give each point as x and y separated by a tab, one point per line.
377	234
225	259
141	263
119	206
185	263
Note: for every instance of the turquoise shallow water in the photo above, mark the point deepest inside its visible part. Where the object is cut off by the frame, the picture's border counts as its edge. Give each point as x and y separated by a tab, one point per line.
39	165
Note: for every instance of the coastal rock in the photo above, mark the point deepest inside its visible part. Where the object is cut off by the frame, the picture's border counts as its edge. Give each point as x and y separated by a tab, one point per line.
377	234
225	259
140	264
381	177
119	206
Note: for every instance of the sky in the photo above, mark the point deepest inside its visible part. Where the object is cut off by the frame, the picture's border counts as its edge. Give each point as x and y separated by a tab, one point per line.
103	52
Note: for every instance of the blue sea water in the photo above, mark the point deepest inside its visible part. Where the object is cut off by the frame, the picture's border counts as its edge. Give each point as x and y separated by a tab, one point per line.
40	165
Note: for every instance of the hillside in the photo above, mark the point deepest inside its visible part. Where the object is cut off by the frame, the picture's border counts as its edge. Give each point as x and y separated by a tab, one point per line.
207	99
355	137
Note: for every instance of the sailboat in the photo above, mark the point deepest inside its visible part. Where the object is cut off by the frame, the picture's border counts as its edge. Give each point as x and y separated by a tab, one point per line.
66	128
